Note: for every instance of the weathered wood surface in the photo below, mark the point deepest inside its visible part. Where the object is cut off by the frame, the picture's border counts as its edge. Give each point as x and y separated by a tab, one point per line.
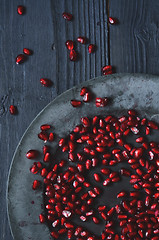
130	46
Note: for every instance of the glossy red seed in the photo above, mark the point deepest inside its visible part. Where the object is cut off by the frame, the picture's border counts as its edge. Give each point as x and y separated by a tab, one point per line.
55	234
122	194
82	40
76	103
21	10
46	82
32	154
95	220
12	109
20	58
27	51
84	90
101	102
45	127
43	136
51	137
112	20
67	16
91	48
69	44
87	97
107	182
73	55
125	172
42	218
97	177
35	184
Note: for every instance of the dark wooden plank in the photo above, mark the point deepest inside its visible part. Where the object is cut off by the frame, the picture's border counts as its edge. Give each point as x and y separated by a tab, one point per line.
134	43
44	30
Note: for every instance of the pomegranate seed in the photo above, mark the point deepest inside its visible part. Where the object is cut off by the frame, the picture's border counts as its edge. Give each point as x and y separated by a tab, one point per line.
12	110
27	51
69	44
107	182
106	70
21	10
76	103
42	218
73	55
46	82
101	102
45	149
82	40
32	154
87	97
67	16
43	136
20	58
45	127
36	184
55	234
91	48
51	137
122	194
95	220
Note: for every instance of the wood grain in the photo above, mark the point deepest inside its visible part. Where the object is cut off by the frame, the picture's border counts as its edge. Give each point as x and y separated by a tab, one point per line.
134	42
43	30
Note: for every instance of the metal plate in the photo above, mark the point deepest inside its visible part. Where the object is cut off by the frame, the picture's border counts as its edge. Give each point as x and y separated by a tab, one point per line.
134	91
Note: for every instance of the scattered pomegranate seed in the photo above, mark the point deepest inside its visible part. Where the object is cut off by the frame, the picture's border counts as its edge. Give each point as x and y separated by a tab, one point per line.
76	103
82	40
91	48
106	70
27	51
21	10
69	44
67	16
32	154
73	55
112	20
20	58
12	109
42	218
46	82
36	184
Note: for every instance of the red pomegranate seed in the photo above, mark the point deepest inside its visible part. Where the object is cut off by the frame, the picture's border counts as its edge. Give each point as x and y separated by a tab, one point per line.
47	157
20	58
69	44
67	16
97	177
21	10
91	48
32	154
55	234
51	137
42	218
95	220
87	97
107	68
125	172
46	82
73	55
12	110
82	40
76	103
36	184
43	136
107	182
152	125
45	127
101	102
27	51
122	194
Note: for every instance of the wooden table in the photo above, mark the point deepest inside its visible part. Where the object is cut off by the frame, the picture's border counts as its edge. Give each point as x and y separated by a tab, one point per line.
131	46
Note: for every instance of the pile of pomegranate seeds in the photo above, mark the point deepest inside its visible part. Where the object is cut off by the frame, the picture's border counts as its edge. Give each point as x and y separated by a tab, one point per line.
73	192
